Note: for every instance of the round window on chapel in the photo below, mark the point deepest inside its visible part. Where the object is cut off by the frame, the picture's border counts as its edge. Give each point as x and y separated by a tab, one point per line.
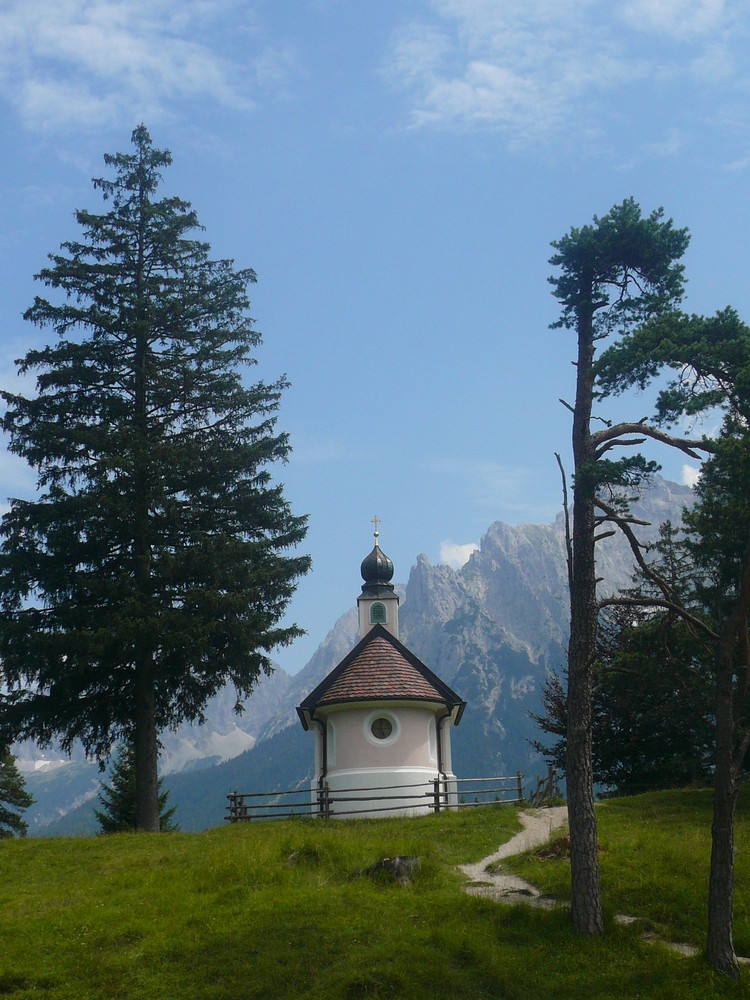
381	728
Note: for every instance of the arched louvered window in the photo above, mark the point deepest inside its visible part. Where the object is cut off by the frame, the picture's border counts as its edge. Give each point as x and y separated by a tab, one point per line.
377	613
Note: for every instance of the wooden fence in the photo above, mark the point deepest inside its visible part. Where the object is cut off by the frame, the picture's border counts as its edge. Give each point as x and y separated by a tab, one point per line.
547	789
427	796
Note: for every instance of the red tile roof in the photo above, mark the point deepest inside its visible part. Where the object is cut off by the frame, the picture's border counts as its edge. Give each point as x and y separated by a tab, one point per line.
380	668
380	671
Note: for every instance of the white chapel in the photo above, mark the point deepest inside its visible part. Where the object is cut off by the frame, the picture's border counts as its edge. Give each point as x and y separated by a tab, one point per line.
382	719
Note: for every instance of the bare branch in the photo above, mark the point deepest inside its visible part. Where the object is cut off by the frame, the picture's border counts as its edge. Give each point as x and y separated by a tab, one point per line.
604	534
689	446
567	407
566	512
619	442
675	606
628	519
669	599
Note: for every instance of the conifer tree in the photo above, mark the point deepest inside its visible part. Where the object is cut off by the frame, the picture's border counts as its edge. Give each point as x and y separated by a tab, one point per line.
118	797
614	275
710	359
13	797
653	716
156	560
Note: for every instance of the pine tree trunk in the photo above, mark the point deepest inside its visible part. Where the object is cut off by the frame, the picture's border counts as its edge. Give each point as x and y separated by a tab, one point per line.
146	752
720	943
146	743
586	907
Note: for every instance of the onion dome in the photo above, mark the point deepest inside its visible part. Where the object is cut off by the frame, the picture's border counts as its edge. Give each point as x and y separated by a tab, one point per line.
377	568
377	571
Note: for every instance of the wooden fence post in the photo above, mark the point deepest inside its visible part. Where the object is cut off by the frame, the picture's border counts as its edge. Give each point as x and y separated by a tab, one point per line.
519	780
436	794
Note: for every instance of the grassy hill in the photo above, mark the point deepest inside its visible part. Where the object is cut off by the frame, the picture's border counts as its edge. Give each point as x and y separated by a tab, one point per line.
285	910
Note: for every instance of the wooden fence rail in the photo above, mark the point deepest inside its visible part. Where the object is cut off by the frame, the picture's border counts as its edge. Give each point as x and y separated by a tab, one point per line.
433	795
546	790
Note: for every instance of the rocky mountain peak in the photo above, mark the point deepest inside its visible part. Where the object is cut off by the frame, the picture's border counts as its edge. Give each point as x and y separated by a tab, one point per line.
432	593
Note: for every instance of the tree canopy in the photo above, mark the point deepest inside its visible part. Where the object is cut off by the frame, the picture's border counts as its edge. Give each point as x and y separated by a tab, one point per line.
157	560
711	359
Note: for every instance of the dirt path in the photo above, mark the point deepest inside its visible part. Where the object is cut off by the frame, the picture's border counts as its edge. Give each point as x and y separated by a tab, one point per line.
538	827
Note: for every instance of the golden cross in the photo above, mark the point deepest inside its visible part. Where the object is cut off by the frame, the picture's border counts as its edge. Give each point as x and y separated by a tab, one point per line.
376	522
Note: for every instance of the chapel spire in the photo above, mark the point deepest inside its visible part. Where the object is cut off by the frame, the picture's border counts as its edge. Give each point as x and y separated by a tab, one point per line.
378	602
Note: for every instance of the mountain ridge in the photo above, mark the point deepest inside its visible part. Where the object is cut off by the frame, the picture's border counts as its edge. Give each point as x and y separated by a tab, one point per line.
491	630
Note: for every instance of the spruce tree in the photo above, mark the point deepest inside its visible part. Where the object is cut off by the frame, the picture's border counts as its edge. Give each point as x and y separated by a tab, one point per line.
118	797
13	797
156	560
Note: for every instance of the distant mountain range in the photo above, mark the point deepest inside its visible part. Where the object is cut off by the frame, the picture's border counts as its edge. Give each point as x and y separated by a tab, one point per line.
491	630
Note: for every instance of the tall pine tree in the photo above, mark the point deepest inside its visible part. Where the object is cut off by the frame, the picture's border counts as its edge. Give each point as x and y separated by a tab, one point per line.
155	563
117	814
710	359
614	275
13	797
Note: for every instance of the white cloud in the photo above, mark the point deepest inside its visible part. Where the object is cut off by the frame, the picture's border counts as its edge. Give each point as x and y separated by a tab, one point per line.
690	475
454	554
677	18
93	62
539	69
715	64
515	65
672	144
418	52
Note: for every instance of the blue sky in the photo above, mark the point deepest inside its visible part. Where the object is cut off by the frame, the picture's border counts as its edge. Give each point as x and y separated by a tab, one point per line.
394	172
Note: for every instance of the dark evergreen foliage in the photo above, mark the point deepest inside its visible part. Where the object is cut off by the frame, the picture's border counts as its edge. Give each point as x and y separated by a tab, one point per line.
653	709
13	797
653	706
711	359
156	561
118	797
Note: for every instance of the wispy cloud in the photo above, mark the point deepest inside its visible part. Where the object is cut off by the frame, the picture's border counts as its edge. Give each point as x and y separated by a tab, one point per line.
89	63
504	491
690	475
455	554
674	18
536	69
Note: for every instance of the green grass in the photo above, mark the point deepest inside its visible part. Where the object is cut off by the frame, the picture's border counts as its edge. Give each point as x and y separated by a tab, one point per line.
283	910
655	861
